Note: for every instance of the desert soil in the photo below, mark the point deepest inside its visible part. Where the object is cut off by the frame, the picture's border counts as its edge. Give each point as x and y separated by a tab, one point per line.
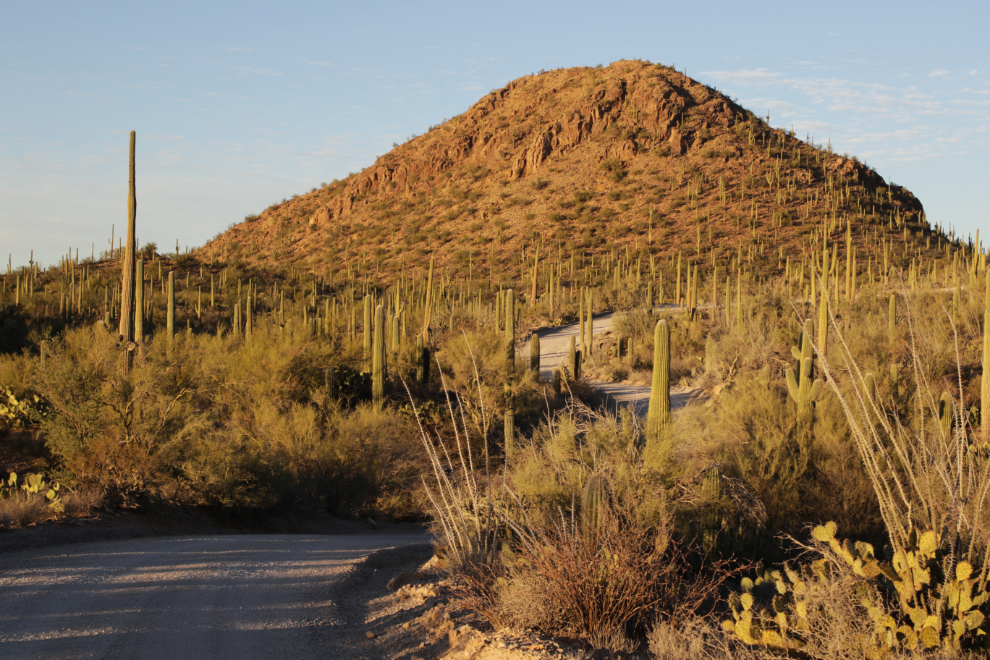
237	596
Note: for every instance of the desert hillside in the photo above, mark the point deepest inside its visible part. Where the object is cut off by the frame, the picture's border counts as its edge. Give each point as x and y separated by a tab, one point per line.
585	160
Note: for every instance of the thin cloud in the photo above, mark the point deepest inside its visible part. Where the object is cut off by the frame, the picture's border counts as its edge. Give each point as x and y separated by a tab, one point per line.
904	123
263	71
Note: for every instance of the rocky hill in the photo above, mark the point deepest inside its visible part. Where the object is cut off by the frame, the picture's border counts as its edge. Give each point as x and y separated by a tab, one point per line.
631	156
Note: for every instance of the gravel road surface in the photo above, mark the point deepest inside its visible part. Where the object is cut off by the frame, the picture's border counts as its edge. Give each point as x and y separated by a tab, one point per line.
236	596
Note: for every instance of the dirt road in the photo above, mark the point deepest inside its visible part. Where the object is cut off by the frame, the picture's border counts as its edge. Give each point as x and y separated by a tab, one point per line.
237	596
554	346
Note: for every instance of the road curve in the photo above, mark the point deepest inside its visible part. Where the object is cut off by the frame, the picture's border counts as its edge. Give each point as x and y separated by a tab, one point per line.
555	344
236	596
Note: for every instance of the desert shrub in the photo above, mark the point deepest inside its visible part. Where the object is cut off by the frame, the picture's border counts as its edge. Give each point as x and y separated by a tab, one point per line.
223	422
22	510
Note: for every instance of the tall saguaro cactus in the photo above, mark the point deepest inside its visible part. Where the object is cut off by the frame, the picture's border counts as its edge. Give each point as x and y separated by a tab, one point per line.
126	328
510	329
367	325
139	301
170	310
658	417
590	328
510	355
534	354
985	390
378	360
802	386
428	307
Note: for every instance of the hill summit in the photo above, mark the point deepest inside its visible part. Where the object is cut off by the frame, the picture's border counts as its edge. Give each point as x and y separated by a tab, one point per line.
630	156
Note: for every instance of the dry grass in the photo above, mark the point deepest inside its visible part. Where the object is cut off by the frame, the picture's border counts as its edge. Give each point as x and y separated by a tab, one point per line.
20	510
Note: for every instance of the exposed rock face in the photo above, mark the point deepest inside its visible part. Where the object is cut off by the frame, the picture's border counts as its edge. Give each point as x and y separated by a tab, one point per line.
515	160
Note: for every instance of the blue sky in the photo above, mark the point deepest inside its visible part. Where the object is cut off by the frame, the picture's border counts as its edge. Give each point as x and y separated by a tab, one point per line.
239	105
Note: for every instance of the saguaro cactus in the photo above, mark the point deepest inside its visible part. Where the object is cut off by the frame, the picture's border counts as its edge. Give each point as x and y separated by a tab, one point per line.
510	356
711	492
170	310
590	328
945	415
985	390
595	501
510	329
804	390
367	325
378	360
428	306
139	301
892	319
658	417
422	362
822	324
510	420
534	354
126	328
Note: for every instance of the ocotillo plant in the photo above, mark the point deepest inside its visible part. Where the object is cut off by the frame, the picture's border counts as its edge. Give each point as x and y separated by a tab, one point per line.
658	417
378	360
534	354
126	328
170	310
595	501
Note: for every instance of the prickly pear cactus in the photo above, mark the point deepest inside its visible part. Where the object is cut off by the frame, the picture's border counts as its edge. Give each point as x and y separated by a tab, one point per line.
20	412
919	599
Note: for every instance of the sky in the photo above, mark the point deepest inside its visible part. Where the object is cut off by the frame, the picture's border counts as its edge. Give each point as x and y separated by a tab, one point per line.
240	105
